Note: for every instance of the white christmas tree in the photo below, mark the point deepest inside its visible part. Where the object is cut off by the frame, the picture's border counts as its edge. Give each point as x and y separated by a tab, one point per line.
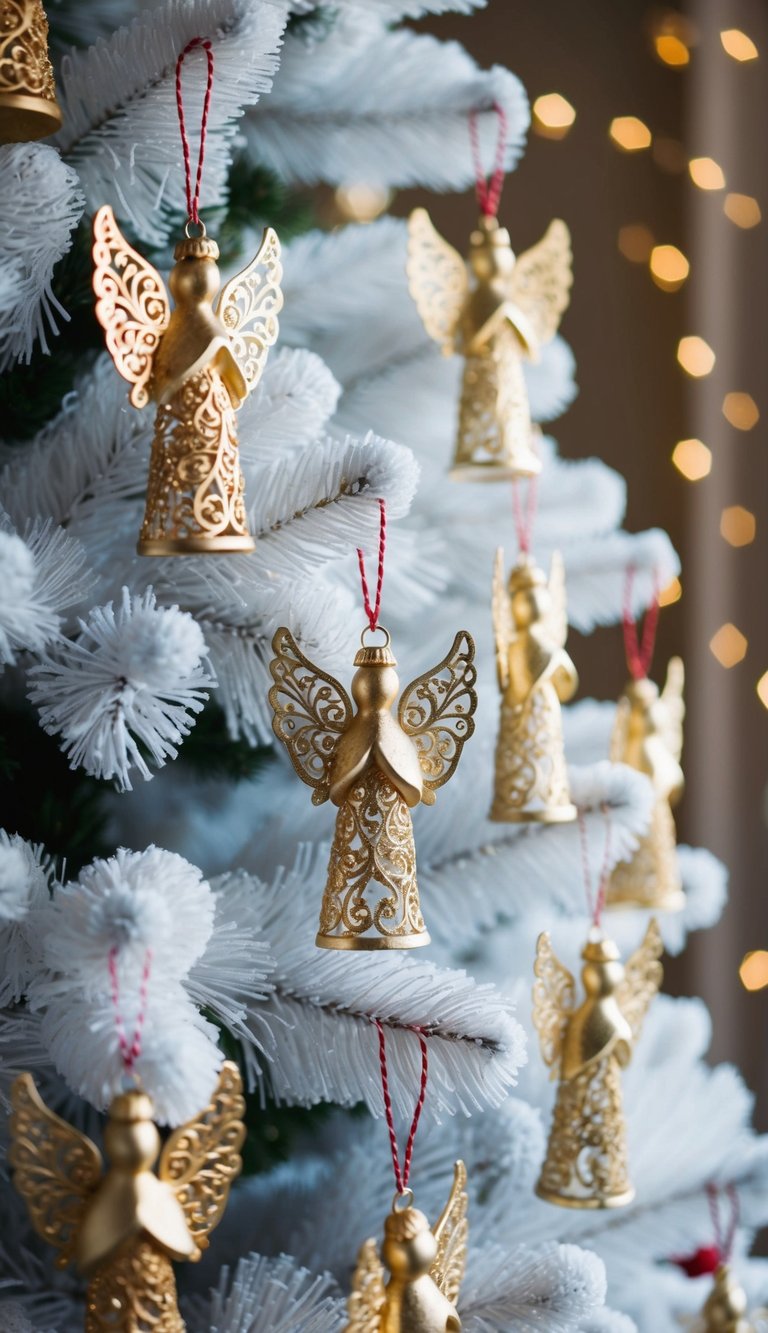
124	662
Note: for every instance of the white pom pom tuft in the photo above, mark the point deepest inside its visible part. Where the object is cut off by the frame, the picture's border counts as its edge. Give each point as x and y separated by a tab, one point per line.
41	573
24	892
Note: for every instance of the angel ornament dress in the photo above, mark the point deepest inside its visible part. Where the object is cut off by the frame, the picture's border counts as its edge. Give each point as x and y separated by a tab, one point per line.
123	1227
504	316
587	1047
198	364
375	768
648	736
535	676
426	1269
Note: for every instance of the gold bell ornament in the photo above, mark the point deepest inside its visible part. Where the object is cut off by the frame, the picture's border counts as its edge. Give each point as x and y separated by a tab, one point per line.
123	1227
648	735
587	1046
375	769
28	106
535	676
425	1264
497	319
198	363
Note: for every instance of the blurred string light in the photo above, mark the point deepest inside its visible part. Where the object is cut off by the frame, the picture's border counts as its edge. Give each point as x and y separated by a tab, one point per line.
673	35
669	267
630	133
695	356
636	242
692	459
762	689
706	173
738	525
741	410
553	116
671	594
728	645
754	970
742	209
362	203
738	45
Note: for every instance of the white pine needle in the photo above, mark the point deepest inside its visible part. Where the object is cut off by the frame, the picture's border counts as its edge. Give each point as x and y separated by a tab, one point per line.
40	205
42	574
134	677
269	1296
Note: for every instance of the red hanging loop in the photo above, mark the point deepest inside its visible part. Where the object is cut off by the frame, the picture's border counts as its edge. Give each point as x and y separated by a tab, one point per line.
524	521
724	1240
372	612
596	903
639	653
402	1175
129	1051
193	199
489	192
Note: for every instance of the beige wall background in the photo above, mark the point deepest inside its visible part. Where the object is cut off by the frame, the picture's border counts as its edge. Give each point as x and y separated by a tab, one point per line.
635	402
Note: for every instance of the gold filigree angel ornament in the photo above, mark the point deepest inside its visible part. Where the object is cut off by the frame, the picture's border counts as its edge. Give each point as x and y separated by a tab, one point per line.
496	321
648	735
198	363
123	1227
28	106
587	1046
726	1309
535	676
375	768
426	1269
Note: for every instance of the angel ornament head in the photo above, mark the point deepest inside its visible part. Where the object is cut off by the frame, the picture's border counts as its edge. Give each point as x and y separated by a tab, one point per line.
587	1046
425	1266
495	319
535	676
648	735
124	1226
198	362
726	1309
375	768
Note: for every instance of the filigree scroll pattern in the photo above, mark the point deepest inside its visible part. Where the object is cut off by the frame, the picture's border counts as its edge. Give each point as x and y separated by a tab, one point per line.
530	762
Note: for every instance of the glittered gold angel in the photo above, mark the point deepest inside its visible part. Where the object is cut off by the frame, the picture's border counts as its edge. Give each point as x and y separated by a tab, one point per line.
648	735
198	363
426	1269
375	768
535	676
587	1046
726	1309
123	1227
503	316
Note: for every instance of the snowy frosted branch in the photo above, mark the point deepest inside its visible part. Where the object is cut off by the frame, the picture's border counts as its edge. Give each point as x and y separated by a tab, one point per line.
121	130
40	206
269	1296
41	575
389	108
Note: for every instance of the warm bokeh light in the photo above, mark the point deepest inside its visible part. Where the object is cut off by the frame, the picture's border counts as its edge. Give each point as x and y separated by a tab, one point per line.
636	242
706	173
754	970
695	355
738	525
670	155
729	645
738	45
362	203
762	689
630	133
669	267
693	459
671	594
741	410
553	116
742	209
671	50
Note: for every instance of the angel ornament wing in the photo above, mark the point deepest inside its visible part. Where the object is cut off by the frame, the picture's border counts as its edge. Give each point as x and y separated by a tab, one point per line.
426	1269
535	676
198	364
375	769
587	1046
648	735
495	319
124	1226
